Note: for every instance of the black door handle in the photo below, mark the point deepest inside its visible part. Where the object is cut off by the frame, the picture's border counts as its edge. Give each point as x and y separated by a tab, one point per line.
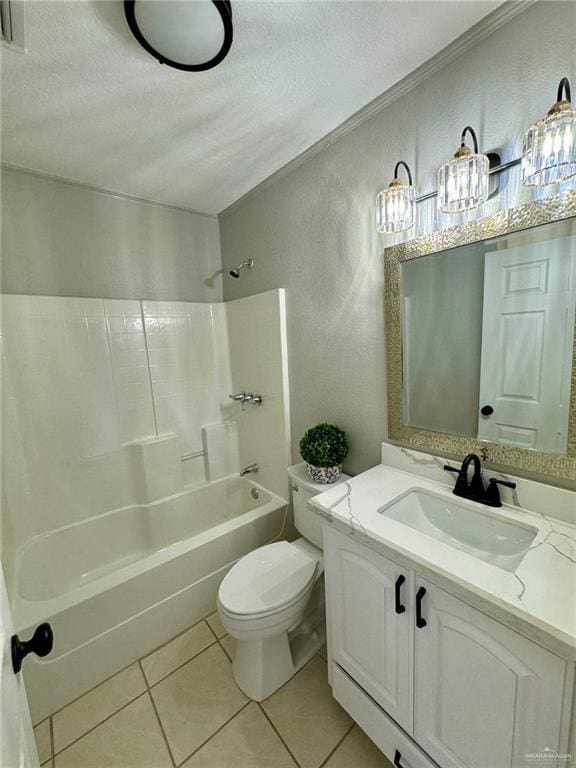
398	604
397	757
486	410
420	621
41	643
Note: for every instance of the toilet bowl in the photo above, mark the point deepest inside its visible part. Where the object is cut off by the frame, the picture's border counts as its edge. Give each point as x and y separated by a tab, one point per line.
272	600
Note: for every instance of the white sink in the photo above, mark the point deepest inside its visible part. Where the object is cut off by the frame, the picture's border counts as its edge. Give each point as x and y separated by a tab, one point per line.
466	526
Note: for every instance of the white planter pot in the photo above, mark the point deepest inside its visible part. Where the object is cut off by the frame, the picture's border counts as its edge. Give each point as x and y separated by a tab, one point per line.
324	474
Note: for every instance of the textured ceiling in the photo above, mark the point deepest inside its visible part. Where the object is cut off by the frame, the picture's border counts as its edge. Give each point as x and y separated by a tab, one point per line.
87	103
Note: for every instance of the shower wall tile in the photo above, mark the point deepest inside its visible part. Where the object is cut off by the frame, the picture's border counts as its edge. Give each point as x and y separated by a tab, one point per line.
65	415
130	369
183	369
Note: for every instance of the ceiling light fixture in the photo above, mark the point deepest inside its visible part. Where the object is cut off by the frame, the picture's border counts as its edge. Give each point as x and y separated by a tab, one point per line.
463	181
396	205
549	152
192	36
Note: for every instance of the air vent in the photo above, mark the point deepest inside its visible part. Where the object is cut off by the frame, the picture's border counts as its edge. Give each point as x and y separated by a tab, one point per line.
12	24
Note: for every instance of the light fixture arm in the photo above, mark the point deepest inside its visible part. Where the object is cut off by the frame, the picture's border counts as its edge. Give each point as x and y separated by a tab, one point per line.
564	85
472	133
407	169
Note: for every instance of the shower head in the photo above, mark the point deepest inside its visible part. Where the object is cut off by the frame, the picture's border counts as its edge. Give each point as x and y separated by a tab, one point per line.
249	263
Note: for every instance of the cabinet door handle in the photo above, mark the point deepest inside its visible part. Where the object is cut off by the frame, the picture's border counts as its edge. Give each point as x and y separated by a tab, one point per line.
420	621
397	587
397	757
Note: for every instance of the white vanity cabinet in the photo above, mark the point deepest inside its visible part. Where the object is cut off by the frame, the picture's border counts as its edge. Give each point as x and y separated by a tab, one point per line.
468	691
369	623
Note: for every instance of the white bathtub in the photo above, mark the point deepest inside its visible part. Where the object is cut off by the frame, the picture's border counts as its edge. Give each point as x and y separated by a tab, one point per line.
117	585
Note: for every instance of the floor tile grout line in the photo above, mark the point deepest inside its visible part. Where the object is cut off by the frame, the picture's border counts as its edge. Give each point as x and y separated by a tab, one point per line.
214	631
310	660
52	749
219	641
161	680
136	661
277	732
59	752
338	745
147	689
242	708
162	731
230	659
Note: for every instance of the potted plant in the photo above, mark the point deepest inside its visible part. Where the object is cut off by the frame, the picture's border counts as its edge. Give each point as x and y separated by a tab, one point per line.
324	448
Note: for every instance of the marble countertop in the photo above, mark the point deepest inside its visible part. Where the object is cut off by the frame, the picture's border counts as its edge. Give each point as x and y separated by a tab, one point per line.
542	590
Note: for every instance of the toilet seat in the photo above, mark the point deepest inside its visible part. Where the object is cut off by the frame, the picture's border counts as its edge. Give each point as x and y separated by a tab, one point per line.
267	580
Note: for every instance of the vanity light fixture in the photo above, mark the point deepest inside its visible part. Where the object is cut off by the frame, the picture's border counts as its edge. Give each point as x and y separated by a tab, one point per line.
549	151
463	181
396	205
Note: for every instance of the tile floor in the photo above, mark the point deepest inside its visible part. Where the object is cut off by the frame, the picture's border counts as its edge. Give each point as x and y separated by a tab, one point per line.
180	706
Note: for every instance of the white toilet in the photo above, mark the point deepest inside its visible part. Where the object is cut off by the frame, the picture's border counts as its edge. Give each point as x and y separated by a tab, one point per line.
272	600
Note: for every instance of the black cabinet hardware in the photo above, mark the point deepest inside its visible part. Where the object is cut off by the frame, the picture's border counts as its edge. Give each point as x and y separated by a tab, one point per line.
397	757
397	587
41	643
420	621
486	410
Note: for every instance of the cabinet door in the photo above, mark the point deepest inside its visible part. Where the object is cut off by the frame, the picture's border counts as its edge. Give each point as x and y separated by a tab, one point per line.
484	696
367	637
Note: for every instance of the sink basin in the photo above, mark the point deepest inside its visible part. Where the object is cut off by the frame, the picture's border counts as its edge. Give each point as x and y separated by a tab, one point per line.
468	527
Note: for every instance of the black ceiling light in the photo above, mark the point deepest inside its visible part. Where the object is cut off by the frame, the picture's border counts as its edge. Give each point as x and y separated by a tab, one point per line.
193	35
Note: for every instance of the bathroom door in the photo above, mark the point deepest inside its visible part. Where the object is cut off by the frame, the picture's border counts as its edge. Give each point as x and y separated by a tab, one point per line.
17	745
527	333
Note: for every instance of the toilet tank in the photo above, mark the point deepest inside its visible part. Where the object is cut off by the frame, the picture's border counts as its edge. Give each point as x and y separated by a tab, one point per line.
303	488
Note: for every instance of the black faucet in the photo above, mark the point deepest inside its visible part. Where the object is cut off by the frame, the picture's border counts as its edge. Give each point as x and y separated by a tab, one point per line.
475	490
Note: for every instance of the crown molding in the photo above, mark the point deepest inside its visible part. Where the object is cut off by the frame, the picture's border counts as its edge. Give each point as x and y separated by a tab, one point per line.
485	27
100	190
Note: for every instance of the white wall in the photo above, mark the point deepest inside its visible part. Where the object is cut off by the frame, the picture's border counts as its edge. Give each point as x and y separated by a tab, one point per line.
312	231
62	239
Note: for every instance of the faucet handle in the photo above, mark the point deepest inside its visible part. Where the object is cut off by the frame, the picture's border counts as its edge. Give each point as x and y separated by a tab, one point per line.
448	468
493	493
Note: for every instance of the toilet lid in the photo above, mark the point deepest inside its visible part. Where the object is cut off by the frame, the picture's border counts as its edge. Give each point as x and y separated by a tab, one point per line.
266	579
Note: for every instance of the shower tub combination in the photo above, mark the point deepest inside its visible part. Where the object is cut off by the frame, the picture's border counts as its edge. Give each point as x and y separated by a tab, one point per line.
117	585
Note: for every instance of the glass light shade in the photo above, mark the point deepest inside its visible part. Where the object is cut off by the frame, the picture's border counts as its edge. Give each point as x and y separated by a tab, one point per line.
549	152
463	182
396	208
191	36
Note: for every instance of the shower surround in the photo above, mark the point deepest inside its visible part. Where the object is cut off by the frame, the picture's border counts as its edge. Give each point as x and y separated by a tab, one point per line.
123	445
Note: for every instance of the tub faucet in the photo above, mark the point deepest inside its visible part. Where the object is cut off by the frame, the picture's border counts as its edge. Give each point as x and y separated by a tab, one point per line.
249	470
246	399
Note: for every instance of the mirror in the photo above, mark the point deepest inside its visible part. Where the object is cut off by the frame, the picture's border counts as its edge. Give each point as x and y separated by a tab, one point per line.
481	338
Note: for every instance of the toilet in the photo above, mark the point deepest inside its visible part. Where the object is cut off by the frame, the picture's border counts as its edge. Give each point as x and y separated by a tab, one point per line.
272	600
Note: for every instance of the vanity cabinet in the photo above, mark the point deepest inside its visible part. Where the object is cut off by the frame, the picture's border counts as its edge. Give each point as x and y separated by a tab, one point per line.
369	623
483	694
467	691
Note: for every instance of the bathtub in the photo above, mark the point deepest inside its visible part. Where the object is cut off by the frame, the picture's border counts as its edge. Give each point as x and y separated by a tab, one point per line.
117	585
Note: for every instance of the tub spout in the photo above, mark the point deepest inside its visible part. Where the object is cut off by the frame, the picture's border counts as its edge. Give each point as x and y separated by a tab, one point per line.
249	470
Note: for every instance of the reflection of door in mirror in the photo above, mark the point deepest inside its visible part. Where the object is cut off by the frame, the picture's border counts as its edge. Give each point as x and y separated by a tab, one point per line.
488	335
527	325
